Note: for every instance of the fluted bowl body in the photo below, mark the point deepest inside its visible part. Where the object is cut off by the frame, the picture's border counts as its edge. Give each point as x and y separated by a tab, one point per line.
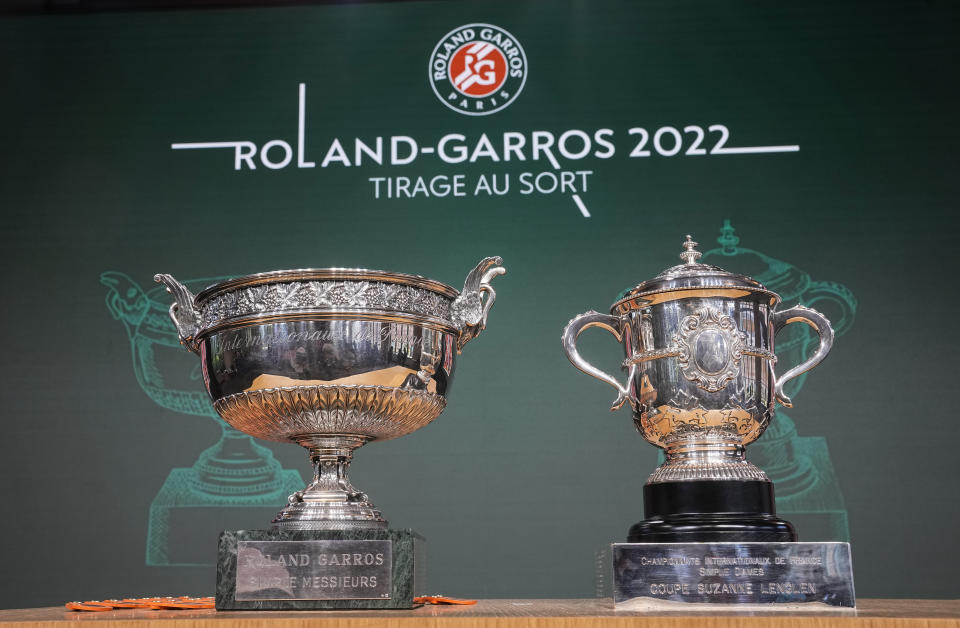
321	351
701	367
331	358
699	356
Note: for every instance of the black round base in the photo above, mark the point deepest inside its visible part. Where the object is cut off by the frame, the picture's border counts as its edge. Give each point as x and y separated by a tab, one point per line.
710	511
706	528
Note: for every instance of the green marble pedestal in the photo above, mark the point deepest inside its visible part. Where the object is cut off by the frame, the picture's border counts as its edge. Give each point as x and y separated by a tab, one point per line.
319	569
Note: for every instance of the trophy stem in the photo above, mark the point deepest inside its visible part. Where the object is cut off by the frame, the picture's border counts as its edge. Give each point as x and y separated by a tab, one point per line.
710	460
330	501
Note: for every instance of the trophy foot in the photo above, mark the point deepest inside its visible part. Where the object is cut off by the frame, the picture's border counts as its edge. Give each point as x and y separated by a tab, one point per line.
330	502
710	511
713	528
688	462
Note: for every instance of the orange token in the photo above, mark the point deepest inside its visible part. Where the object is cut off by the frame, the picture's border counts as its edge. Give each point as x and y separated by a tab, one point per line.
120	604
172	606
154	603
440	599
88	606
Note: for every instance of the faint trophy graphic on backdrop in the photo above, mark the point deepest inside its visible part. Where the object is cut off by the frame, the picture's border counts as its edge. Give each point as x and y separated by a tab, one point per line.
234	480
807	490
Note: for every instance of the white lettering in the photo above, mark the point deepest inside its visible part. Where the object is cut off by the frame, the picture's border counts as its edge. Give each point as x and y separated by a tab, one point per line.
359	149
245	157
542	142
395	143
335	153
484	149
513	142
566	152
460	151
598	137
301	123
276	165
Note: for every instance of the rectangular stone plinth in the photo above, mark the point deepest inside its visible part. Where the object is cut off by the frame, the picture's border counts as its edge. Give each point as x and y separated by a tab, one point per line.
318	569
732	576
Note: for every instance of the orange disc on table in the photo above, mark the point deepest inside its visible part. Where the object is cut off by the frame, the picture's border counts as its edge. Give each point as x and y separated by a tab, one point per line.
183	605
120	604
88	606
135	603
440	599
153	603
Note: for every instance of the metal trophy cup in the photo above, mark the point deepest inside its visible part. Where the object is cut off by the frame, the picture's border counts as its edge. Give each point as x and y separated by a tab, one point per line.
699	347
330	359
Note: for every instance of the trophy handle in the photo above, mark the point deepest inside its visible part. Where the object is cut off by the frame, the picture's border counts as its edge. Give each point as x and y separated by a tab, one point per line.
820	324
182	312
469	310
572	331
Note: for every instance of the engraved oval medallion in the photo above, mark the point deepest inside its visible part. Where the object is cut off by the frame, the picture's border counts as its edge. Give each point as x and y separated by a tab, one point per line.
709	349
711	353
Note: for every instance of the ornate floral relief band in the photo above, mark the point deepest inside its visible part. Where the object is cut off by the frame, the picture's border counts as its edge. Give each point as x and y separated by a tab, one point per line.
321	295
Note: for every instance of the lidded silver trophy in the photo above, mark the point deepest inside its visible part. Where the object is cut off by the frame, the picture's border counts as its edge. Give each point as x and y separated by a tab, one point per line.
331	359
699	347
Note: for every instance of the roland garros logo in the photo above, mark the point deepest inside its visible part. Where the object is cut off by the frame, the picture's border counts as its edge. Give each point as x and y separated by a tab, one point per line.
478	69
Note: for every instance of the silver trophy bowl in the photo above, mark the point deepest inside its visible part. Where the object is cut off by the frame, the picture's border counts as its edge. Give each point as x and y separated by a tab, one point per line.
331	359
699	355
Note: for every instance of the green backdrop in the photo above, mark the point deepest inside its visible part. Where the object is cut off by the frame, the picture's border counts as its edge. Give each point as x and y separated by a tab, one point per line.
526	476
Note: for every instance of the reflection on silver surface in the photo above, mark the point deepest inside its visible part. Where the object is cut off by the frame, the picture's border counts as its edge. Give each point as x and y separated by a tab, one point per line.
699	345
331	359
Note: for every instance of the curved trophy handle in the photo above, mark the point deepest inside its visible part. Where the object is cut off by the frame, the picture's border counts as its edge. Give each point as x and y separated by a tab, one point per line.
572	331
469	310
185	318
820	324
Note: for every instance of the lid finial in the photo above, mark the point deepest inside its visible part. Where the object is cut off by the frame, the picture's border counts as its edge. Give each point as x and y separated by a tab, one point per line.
690	255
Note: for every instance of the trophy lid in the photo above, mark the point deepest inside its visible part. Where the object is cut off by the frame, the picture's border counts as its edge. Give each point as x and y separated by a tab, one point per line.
691	279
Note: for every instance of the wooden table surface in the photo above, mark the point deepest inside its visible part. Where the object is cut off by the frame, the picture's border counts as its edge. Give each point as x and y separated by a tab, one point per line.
588	613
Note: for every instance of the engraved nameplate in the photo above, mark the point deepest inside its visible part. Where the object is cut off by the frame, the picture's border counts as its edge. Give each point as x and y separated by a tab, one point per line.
768	576
314	570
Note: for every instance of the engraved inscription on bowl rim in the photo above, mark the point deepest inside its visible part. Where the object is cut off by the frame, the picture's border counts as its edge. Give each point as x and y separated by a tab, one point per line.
250	336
